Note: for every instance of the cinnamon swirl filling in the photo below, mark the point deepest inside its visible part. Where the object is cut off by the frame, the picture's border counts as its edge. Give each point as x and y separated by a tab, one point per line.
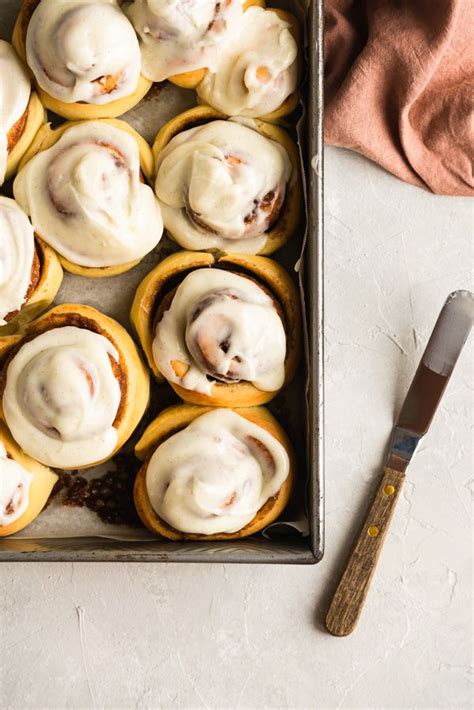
222	327
15	132
216	474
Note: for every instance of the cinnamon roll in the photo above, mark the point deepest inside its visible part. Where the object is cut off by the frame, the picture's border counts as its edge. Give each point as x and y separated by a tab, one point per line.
25	486
82	185
84	55
212	474
180	39
223	331
30	272
21	113
73	387
228	186
257	74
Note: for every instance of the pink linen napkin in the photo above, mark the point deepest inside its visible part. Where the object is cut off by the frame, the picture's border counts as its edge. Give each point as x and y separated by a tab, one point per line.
399	87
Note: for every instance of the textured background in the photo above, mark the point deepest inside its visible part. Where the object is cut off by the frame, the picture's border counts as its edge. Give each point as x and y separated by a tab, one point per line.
145	636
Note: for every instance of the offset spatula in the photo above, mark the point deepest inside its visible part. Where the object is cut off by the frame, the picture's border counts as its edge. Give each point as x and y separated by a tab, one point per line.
449	335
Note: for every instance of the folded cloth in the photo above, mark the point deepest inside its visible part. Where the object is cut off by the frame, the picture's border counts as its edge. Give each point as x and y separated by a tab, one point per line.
399	87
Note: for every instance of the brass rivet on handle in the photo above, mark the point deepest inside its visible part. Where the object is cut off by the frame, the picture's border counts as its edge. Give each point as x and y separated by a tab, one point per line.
373	531
389	490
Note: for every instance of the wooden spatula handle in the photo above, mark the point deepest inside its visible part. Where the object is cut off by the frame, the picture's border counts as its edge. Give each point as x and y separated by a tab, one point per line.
348	601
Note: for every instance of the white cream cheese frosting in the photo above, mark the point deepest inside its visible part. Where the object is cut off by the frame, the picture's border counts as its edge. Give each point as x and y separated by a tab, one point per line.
179	36
15	482
86	200
17	249
224	326
83	50
216	474
15	90
61	397
221	186
257	70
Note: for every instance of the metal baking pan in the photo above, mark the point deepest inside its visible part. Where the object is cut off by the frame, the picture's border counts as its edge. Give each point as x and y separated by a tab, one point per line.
308	418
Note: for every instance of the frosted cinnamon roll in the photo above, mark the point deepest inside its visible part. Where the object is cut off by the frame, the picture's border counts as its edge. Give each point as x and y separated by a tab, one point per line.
73	387
30	272
224	185
21	112
257	74
86	179
223	327
179	38
84	55
25	486
222	331
212	474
